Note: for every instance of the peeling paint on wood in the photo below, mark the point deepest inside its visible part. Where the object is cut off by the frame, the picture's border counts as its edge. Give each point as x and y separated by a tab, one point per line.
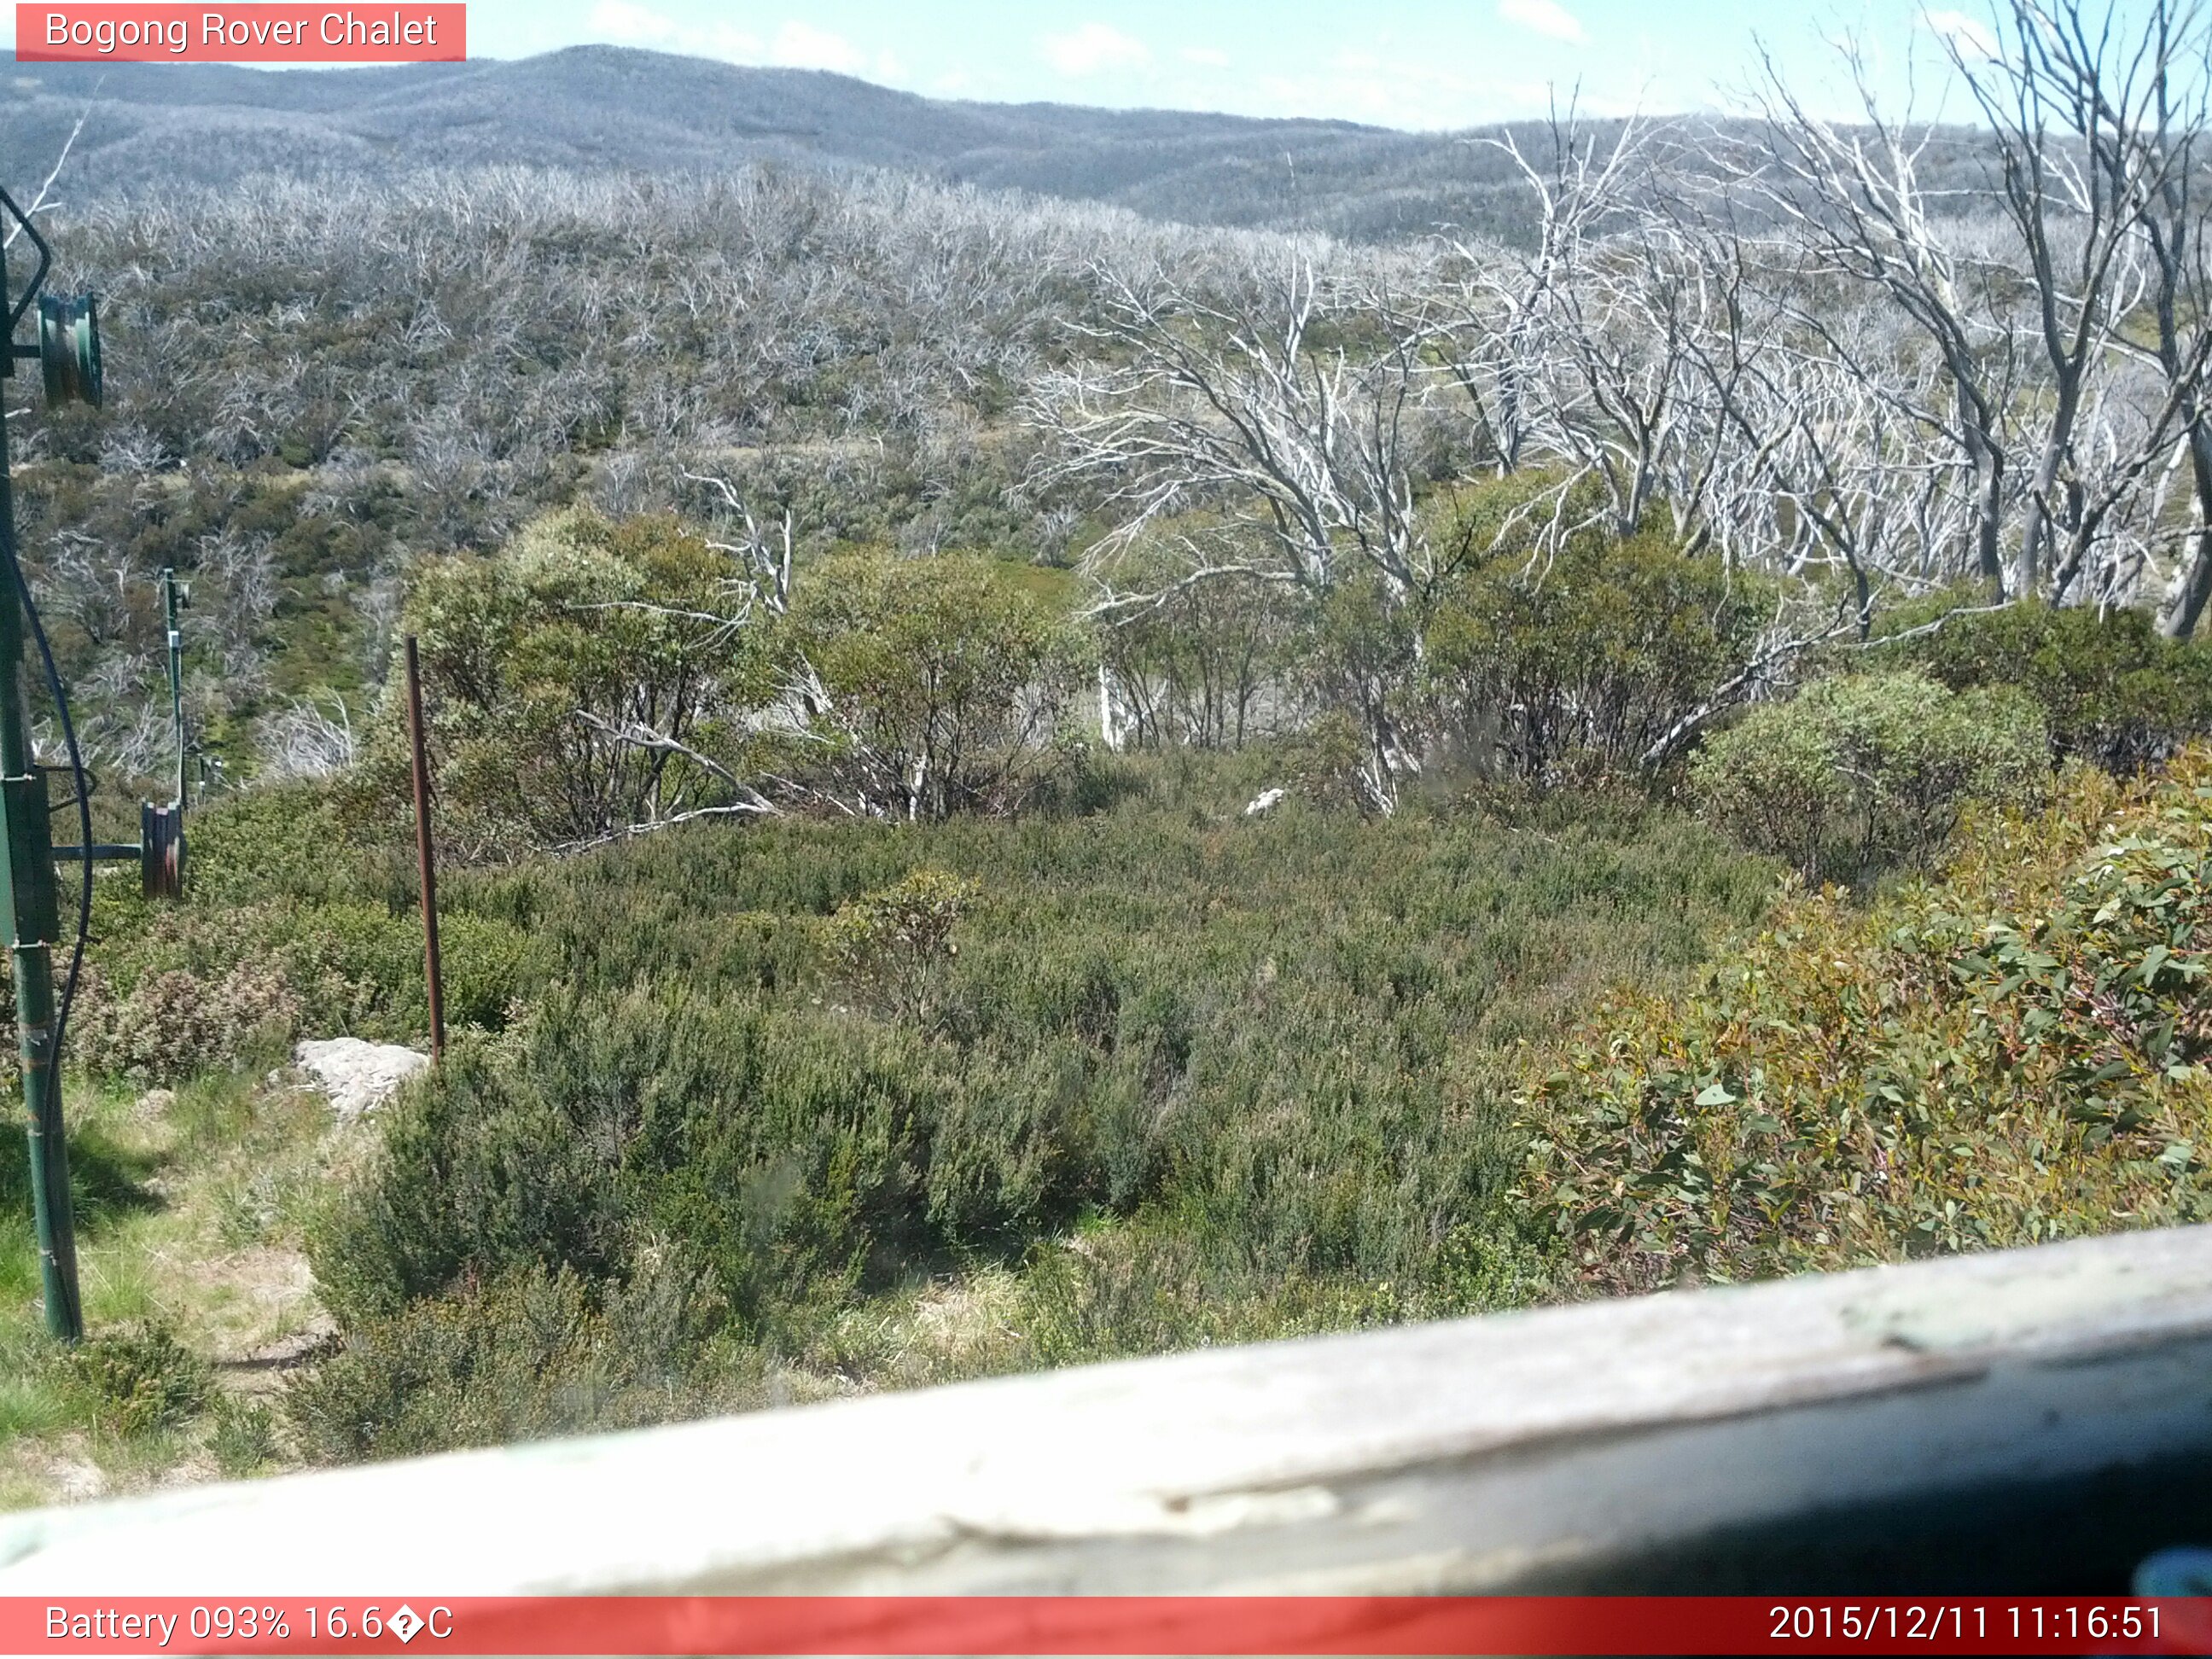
1523	1449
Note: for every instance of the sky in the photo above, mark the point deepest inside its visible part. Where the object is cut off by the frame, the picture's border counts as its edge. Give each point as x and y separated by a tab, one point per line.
1423	65
1415	63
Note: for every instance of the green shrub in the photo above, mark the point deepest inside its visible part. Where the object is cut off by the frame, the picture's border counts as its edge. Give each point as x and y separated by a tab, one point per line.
1204	667
484	963
293	840
788	1150
143	1378
584	682
209	984
173	1024
2015	1054
1327	761
1161	1285
537	662
892	941
1859	773
1272	1058
2111	688
533	1353
1582	664
944	683
245	1438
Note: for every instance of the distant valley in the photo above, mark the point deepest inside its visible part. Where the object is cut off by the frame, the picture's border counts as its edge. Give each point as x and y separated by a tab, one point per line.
605	108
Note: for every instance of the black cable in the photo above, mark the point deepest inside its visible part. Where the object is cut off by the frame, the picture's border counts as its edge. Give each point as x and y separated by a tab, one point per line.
83	809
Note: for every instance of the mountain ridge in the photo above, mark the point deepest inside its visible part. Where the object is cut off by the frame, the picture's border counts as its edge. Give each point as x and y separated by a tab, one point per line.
600	108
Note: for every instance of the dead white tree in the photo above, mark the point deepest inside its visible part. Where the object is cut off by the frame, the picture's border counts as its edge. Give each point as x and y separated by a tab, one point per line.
311	737
761	560
1854	200
1625	338
2080	121
1262	424
2139	101
1829	453
2067	254
1494	315
40	204
1272	397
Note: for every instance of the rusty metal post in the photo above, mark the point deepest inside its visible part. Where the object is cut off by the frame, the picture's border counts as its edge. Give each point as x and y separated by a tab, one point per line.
425	857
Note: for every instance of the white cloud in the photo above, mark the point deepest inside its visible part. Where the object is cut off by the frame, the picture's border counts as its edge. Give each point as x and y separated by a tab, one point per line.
801	45
626	21
1967	36
1544	17
796	44
1205	57
1438	96
1092	48
641	26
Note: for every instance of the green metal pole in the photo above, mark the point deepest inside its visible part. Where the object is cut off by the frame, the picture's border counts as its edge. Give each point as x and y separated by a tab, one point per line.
27	891
176	677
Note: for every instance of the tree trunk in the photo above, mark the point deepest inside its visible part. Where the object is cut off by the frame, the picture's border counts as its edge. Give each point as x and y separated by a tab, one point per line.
2035	529
2179	620
1989	486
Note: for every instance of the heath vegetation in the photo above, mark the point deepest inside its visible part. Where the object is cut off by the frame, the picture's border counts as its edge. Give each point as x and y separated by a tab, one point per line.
1020	784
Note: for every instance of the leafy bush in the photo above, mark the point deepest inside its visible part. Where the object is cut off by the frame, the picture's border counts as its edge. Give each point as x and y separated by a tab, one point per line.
943	681
288	927
1588	662
532	1353
178	989
1861	772
294	841
2113	690
144	1377
244	1437
1327	761
2015	1054
1206	665
593	679
785	1151
173	1024
1359	672
1142	1289
891	941
572	684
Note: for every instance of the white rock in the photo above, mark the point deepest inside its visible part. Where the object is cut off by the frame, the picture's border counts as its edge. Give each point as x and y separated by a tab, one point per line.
358	1076
1264	799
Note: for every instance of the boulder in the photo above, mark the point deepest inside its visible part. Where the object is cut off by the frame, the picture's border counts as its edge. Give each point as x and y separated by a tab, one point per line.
358	1076
1263	800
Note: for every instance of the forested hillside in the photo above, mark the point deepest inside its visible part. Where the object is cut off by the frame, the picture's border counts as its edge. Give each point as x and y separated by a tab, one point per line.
1021	782
605	109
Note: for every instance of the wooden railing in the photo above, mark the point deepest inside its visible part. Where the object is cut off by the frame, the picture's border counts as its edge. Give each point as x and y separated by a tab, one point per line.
2033	1419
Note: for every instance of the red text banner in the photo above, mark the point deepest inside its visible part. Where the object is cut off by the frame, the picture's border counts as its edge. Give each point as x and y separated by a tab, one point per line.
1123	1624
258	33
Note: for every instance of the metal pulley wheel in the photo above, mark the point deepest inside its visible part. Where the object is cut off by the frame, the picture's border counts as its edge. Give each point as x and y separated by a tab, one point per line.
68	348
161	850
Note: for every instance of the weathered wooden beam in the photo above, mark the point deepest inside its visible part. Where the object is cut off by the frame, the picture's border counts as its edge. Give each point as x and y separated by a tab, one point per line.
1674	1441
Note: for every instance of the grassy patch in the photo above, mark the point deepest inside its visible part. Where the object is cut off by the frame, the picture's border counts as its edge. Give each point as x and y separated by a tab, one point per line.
192	1207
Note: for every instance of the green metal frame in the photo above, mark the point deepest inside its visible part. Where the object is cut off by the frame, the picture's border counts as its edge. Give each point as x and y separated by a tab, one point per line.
173	597
27	908
68	354
159	852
